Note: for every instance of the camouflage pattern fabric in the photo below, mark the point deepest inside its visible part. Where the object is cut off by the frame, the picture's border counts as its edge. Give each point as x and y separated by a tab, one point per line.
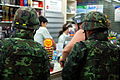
26	18
95	20
22	59
93	59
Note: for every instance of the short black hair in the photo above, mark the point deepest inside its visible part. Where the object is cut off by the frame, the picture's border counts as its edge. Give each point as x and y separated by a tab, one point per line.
42	19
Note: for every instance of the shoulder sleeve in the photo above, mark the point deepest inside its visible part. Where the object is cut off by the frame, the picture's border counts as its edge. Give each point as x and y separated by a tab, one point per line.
61	39
46	34
74	62
42	53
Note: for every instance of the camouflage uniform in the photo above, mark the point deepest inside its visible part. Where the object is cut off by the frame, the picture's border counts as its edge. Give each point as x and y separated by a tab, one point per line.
95	58
20	57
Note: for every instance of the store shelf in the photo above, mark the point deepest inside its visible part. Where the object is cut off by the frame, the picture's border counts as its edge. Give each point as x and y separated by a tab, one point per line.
38	7
70	10
39	0
4	22
10	5
71	0
19	6
70	13
69	20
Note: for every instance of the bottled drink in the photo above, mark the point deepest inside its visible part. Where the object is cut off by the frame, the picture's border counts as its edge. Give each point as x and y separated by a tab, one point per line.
21	2
25	2
7	13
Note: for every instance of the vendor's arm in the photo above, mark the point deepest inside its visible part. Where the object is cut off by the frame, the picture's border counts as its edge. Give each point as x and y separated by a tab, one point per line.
79	36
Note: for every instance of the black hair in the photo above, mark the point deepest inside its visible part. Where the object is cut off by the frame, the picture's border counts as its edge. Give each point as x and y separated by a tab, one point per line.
42	19
78	25
64	28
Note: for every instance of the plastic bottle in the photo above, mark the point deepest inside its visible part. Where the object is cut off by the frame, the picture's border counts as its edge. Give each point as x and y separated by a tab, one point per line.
21	2
25	2
55	56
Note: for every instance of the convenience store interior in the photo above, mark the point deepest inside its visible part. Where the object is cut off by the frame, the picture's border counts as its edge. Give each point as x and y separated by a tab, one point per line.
58	12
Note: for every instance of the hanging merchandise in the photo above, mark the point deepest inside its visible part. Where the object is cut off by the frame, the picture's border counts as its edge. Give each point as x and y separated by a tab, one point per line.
48	45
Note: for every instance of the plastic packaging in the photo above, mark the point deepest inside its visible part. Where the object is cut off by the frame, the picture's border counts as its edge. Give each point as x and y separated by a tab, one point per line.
71	32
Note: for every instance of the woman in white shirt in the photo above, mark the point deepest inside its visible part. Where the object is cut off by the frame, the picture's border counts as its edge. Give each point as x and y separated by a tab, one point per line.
63	34
42	33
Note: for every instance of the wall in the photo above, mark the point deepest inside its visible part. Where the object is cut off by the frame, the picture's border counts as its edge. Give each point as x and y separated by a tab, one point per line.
54	14
55	22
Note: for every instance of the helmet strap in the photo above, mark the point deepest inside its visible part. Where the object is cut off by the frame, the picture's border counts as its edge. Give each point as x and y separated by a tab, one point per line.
85	34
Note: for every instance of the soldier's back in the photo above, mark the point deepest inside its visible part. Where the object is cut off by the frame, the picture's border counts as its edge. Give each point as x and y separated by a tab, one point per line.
92	60
22	59
102	61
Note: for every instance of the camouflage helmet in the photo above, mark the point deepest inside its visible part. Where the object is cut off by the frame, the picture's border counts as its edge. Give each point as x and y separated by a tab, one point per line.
26	18
78	18
95	20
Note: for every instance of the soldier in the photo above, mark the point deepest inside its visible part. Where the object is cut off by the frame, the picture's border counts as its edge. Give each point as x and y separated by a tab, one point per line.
20	57
95	58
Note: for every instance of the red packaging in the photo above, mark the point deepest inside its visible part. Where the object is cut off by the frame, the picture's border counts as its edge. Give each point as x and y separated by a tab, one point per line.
21	2
40	4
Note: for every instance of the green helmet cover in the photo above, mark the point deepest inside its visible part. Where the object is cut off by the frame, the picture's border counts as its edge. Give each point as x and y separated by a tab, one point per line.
26	18
95	20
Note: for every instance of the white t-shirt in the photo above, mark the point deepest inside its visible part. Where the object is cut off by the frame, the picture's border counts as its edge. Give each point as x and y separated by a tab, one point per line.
41	34
62	38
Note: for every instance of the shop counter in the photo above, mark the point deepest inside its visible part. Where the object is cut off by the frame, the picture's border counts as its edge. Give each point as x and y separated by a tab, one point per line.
56	73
